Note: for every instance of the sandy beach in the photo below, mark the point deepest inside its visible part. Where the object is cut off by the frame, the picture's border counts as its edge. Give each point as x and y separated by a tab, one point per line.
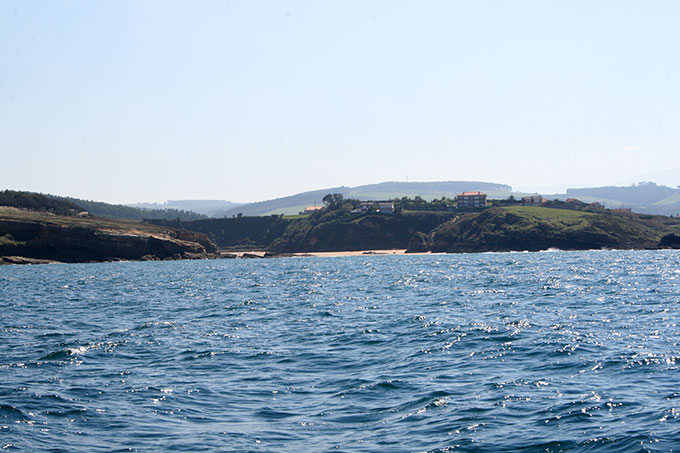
262	253
359	252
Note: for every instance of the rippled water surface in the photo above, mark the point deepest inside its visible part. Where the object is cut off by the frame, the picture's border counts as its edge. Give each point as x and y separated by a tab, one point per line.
482	352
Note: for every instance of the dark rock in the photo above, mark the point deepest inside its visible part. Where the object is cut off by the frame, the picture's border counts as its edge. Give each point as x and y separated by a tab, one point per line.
277	255
23	260
418	243
201	238
75	243
671	241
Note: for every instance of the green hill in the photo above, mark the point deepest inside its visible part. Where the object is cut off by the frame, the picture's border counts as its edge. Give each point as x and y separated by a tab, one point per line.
534	228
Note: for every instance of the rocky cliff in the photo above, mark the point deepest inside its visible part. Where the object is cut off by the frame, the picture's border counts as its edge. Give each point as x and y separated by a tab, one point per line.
67	239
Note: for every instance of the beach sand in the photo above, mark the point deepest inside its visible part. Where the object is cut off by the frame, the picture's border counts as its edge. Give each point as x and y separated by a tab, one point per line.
359	252
261	253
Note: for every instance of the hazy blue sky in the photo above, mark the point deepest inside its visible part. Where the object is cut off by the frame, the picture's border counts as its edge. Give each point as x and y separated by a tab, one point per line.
126	101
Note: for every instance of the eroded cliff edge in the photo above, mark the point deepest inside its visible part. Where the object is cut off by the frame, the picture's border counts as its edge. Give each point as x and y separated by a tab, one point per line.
45	236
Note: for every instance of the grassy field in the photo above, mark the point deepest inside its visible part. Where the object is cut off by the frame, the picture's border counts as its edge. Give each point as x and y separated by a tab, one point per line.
559	215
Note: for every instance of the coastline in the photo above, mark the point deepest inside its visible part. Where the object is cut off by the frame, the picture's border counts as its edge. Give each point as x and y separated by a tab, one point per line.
262	254
266	254
235	254
31	237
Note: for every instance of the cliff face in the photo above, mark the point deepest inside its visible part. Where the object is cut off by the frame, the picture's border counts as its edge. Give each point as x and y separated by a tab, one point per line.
74	240
242	232
337	232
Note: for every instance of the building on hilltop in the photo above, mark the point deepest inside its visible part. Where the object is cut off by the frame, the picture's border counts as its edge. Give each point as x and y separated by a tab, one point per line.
311	209
533	200
381	206
386	207
471	200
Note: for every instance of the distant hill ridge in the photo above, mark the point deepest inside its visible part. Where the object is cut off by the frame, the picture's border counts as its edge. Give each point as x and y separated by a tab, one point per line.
384	190
205	207
119	211
643	197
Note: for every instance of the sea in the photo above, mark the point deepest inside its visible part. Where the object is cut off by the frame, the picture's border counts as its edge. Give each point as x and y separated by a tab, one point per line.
531	352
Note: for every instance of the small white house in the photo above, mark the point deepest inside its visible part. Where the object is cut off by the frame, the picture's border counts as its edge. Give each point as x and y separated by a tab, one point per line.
386	207
532	200
382	206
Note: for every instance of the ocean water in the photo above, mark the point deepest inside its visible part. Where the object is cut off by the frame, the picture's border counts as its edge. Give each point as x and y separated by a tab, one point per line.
554	351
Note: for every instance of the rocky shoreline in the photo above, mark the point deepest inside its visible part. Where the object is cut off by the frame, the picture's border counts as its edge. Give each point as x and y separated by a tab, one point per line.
30	237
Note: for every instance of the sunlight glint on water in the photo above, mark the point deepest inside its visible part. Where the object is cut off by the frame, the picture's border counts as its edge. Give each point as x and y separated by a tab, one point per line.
526	351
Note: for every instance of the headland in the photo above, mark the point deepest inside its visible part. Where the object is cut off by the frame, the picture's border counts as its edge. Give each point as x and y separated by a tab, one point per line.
340	228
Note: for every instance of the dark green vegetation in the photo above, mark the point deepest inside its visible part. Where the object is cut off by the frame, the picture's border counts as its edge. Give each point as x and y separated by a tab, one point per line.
420	204
38	202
